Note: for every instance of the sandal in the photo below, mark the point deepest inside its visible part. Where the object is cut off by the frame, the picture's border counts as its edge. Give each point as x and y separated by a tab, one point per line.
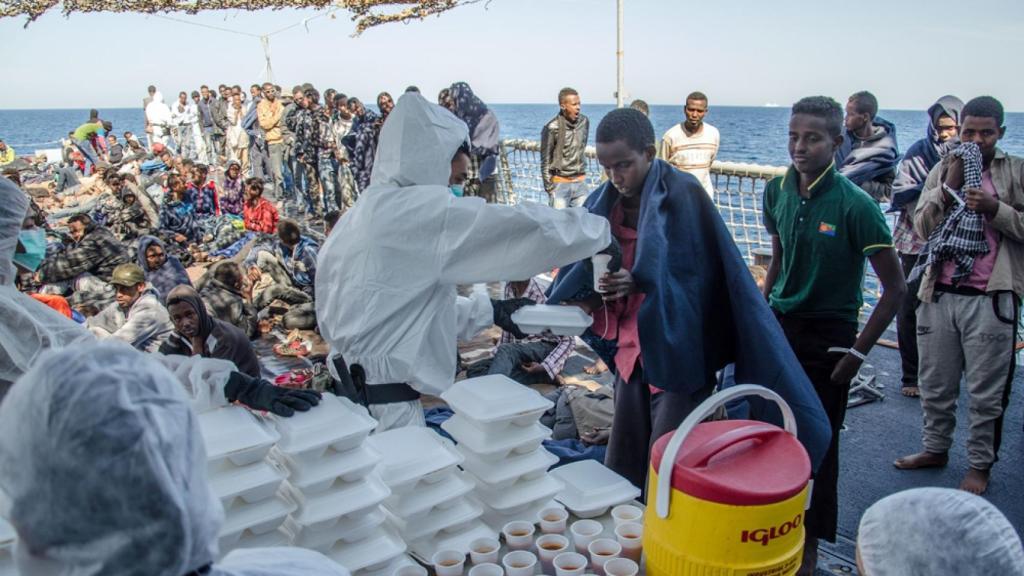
291	350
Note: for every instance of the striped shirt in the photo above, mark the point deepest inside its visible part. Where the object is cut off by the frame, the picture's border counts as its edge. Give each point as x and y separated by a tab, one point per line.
564	345
693	154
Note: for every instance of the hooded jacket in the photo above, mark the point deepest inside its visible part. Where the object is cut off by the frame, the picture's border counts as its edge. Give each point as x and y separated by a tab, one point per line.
870	163
166	277
923	155
386	279
222	340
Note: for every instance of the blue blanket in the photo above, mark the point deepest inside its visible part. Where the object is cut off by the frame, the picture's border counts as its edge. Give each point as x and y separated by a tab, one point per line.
701	309
864	160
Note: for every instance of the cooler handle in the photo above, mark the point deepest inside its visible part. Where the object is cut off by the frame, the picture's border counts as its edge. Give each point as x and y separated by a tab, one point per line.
705	409
705	452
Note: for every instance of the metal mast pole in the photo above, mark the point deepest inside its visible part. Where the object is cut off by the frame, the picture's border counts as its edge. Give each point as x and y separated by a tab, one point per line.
619	90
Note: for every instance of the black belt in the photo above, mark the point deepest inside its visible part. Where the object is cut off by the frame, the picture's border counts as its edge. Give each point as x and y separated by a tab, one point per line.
961	290
201	571
352	385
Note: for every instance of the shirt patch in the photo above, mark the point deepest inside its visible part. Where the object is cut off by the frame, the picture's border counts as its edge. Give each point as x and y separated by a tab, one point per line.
827	229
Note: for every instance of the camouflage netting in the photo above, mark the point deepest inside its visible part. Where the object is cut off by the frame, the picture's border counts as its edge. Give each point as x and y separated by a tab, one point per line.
366	13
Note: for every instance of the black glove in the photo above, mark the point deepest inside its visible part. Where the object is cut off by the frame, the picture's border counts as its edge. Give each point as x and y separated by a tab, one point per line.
615	251
503	310
259	394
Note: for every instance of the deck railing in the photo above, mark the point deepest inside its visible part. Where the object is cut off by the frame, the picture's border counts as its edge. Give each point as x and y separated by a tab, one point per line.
738	193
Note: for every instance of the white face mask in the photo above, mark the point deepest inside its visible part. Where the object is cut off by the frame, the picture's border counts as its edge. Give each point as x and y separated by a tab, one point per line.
30	565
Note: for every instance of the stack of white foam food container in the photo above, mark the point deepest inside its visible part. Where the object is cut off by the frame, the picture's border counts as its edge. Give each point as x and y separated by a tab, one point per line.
430	505
249	484
334	482
7	537
496	425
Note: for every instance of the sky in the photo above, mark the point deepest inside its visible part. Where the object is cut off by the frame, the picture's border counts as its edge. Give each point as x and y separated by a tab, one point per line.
739	52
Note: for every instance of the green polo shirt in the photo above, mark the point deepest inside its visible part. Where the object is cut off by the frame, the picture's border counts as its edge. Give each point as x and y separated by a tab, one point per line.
825	240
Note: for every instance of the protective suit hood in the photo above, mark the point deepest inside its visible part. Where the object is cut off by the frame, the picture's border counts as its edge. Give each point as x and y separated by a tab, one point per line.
13	208
417	144
106	472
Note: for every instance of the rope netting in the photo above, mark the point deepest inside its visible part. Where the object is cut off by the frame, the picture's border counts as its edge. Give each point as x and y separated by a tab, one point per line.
739	189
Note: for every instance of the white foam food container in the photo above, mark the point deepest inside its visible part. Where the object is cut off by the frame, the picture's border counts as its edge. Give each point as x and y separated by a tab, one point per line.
347	500
591	488
233	433
412	455
424	550
390	568
519	496
318	476
335	423
272	539
506	473
430	497
462	511
255	519
559	320
349	529
236	485
495	448
496	399
372	553
497	520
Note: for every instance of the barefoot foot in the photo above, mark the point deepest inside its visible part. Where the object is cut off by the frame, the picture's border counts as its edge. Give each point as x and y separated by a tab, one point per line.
922	460
910	391
975	481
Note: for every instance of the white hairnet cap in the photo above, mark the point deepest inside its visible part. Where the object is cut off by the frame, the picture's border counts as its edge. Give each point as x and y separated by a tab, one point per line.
104	467
13	208
417	143
937	531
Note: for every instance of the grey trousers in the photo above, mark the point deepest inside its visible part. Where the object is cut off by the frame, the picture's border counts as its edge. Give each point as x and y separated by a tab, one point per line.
971	337
276	152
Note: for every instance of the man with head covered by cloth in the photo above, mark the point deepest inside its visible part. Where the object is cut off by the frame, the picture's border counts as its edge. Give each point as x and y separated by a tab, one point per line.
386	297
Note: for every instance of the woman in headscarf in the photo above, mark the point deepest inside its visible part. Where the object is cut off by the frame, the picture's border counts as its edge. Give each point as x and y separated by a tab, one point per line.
484	140
163	271
361	143
103	466
232	196
196	333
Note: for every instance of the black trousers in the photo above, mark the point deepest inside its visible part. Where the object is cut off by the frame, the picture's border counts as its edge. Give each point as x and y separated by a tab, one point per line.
640	419
810	340
508	359
906	324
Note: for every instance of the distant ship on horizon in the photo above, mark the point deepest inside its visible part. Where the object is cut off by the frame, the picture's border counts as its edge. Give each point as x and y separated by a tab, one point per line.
770	105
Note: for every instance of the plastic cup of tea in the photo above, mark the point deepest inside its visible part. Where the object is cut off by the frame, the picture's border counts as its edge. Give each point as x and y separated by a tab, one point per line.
600	263
449	563
601	551
553	520
584	532
519	563
550	546
621	567
627	513
484	551
519	535
570	564
487	569
411	570
631	537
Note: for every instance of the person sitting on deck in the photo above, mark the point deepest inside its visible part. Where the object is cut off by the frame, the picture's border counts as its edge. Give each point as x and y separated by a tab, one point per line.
526	359
86	263
196	333
203	192
228	297
163	271
137	317
259	214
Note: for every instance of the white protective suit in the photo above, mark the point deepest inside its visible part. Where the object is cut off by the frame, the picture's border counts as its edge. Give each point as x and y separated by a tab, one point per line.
158	114
29	327
104	470
386	280
937	531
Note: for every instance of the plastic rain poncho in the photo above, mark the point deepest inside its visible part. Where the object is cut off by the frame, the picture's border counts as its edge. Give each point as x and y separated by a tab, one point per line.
937	531
30	327
386	279
105	473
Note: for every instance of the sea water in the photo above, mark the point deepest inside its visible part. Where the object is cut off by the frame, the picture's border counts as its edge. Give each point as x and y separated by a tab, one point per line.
749	134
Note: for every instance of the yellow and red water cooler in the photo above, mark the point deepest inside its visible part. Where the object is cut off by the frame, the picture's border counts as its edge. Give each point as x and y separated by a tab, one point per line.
727	498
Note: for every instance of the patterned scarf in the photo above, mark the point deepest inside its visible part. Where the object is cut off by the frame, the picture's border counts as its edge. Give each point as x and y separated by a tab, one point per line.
961	236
